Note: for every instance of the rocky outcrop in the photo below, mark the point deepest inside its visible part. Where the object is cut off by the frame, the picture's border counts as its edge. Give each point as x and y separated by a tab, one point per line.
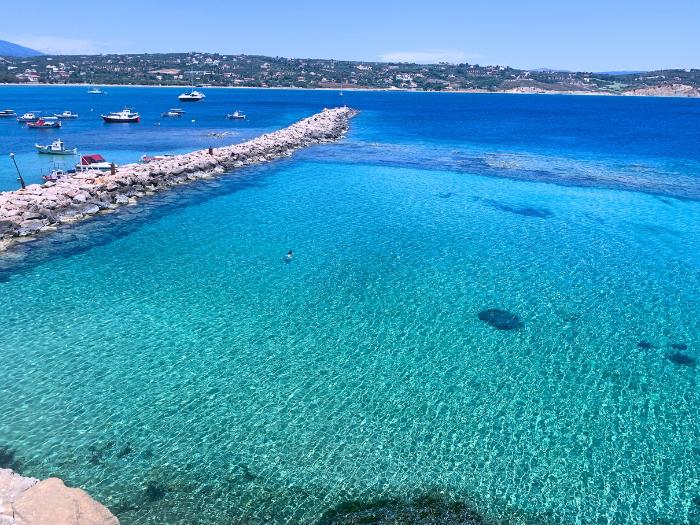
41	208
668	90
28	501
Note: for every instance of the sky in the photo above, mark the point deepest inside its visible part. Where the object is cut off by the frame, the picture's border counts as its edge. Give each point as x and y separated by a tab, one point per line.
582	35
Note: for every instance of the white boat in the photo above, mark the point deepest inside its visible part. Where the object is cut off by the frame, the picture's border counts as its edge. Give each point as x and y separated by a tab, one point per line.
95	91
154	158
57	174
192	96
236	115
171	114
66	115
93	162
6	113
28	117
56	148
123	116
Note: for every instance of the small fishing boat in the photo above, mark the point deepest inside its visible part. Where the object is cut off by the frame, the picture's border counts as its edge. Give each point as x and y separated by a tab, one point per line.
95	91
66	115
7	113
56	148
121	117
45	123
153	158
177	110
28	117
192	96
236	115
171	114
57	174
93	162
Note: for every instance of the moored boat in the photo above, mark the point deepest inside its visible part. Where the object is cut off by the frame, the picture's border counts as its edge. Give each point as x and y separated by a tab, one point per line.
192	96
57	174
236	115
93	162
28	117
57	147
7	113
95	91
153	158
171	114
123	116
66	115
45	123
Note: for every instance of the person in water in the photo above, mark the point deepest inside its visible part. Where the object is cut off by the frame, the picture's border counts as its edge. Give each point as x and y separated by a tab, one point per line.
289	256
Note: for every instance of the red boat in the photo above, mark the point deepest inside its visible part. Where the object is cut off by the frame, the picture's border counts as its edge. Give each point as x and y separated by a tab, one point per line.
123	116
45	123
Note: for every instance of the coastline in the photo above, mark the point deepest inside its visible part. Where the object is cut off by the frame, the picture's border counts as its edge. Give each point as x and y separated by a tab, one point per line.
43	208
651	92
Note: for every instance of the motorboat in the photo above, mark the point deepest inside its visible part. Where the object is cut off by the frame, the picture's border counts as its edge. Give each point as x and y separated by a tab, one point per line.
93	162
7	113
177	110
123	116
66	115
172	114
236	115
45	123
28	117
192	96
56	148
95	91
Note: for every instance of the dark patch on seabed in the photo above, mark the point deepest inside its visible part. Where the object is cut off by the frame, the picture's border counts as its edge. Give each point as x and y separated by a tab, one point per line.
679	346
424	510
526	211
645	345
501	319
8	459
682	359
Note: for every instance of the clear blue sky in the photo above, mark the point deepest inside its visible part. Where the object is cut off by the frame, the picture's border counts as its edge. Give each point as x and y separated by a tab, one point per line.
594	35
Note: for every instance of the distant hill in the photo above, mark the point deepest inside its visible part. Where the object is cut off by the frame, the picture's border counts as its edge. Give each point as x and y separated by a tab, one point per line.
14	50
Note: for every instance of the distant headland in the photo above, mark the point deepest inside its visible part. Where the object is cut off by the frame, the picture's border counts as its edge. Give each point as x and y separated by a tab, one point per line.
212	69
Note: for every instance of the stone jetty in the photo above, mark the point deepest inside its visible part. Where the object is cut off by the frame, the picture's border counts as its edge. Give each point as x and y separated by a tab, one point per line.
28	501
42	208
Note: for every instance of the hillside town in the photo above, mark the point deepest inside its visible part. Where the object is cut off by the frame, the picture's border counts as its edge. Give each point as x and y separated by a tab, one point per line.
211	69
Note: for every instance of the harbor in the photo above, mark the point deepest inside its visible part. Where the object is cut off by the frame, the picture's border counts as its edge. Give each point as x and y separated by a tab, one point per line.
41	208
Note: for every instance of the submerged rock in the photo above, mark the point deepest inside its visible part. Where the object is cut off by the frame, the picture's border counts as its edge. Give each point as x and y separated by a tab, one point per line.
679	346
501	319
154	491
646	345
425	510
8	459
681	359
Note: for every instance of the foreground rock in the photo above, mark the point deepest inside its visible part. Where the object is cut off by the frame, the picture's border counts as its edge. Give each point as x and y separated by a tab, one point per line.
28	501
40	208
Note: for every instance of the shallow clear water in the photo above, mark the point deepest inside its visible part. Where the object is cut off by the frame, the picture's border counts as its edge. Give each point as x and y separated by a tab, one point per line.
167	360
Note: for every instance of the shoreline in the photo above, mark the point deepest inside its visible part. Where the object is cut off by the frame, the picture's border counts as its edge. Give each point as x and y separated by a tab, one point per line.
513	91
43	208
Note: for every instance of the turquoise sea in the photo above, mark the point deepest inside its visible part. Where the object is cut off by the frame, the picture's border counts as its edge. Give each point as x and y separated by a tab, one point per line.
166	359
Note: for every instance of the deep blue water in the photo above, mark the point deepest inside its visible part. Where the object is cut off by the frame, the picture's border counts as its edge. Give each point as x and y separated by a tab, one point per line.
168	361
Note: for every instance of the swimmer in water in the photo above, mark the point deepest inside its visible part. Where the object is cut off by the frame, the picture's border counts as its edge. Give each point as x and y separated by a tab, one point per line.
289	256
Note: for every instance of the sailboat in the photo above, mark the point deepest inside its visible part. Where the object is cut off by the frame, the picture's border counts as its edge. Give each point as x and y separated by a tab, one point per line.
193	95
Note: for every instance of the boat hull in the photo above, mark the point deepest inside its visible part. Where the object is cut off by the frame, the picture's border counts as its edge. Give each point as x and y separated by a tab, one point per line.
44	151
120	120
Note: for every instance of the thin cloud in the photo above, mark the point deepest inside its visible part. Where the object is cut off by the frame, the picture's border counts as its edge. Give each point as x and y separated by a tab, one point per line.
56	45
432	56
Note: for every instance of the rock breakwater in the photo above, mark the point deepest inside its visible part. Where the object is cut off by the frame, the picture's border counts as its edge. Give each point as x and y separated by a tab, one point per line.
42	208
